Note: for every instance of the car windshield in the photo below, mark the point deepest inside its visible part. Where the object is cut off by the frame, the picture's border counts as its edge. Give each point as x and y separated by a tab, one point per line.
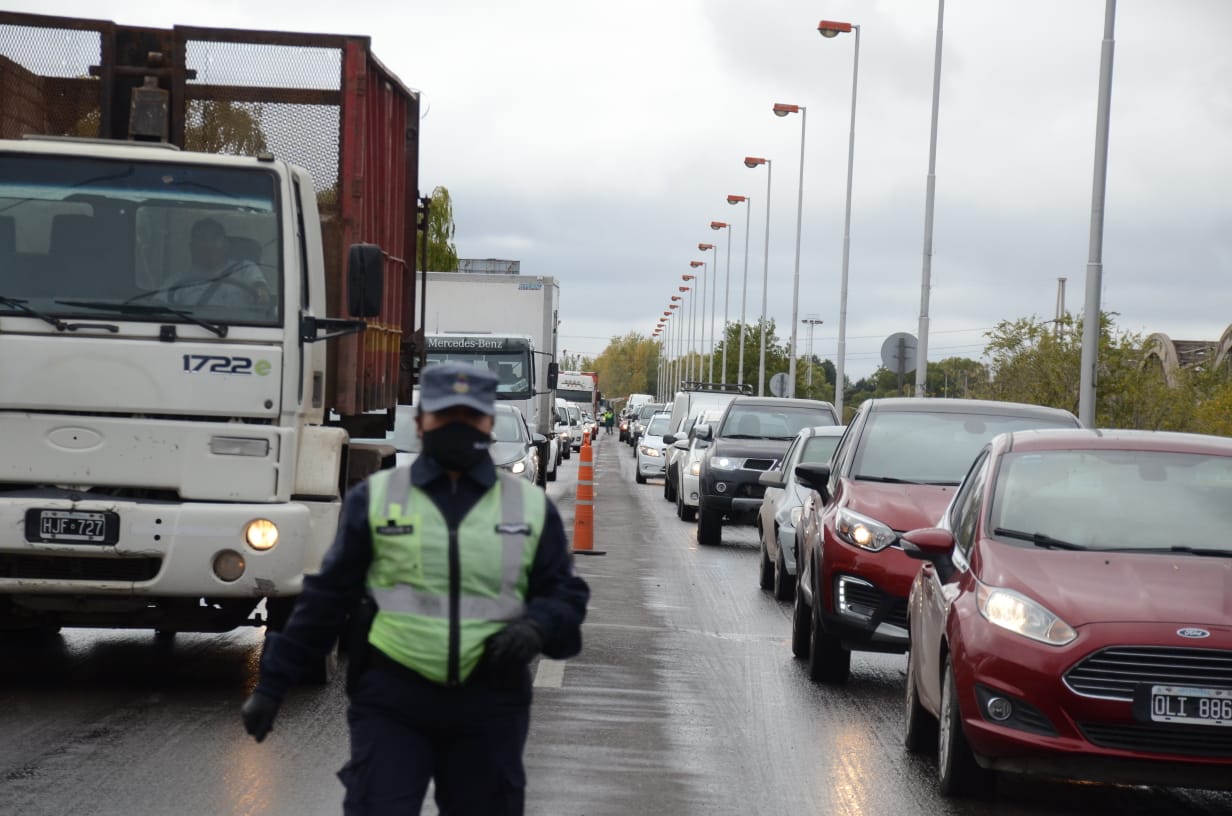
658	425
508	428
932	447
818	450
141	241
1117	499
771	421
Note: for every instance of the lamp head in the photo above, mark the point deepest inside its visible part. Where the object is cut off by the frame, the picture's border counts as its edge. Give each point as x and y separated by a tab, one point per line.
696	264
753	161
781	109
830	29
688	277
703	248
718	225
735	199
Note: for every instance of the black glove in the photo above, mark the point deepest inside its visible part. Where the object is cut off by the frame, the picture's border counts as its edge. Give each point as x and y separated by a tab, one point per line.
515	645
259	711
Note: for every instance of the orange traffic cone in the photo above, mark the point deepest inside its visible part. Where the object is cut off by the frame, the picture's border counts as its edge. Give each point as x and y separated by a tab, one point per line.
584	507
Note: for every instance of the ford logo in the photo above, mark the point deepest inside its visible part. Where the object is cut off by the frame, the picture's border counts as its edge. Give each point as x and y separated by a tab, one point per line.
1193	632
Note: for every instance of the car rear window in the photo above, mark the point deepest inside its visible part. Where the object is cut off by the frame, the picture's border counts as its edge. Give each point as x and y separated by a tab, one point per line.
771	421
932	447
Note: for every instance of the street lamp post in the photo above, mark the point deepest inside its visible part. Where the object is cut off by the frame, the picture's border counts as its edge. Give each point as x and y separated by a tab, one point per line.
930	190
781	109
723	225
811	322
744	289
751	162
711	288
1095	247
830	29
697	320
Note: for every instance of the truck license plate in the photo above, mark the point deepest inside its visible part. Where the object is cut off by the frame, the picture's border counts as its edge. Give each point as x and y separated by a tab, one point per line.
1185	704
72	526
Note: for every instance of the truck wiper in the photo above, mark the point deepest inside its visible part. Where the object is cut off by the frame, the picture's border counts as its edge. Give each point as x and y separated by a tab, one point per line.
20	305
1039	539
147	309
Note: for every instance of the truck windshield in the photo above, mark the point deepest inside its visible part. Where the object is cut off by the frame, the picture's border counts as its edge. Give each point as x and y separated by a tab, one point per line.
88	237
507	358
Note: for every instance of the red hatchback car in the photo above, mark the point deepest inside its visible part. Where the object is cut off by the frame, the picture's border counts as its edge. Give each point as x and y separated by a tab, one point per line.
1074	614
894	470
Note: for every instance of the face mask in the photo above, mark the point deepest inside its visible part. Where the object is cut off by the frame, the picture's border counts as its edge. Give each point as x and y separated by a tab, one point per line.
457	446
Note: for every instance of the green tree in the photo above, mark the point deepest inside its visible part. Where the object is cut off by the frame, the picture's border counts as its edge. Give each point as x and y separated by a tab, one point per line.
442	254
629	365
223	126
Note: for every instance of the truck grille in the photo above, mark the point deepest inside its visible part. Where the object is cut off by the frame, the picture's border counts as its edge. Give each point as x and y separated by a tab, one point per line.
78	568
1203	741
1116	671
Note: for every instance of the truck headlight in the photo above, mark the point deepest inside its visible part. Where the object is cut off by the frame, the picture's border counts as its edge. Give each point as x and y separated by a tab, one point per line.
1020	614
861	531
261	534
238	446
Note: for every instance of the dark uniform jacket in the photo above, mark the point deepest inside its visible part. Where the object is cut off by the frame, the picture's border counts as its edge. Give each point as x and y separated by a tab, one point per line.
556	596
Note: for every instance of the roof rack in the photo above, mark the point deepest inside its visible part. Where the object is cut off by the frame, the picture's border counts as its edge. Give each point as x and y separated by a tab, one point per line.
725	388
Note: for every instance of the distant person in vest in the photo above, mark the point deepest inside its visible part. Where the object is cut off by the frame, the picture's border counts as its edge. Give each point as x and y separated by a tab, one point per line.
466	576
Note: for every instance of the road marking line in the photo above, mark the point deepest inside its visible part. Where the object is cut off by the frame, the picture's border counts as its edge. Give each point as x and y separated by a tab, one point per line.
550	673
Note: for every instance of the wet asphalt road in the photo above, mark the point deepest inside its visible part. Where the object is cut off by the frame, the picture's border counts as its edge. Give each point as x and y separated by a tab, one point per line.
685	700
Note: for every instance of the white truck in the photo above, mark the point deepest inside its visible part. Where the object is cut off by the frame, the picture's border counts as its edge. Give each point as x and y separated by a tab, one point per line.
507	323
164	384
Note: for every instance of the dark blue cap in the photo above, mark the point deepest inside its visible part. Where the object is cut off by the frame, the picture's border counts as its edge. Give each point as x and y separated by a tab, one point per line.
448	385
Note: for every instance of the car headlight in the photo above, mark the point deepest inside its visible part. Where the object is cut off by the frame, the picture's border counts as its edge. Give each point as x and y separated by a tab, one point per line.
724	463
861	531
1020	614
648	451
695	469
796	513
518	467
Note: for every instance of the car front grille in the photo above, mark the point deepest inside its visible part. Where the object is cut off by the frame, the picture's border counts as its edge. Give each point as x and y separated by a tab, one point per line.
1203	741
78	568
1115	672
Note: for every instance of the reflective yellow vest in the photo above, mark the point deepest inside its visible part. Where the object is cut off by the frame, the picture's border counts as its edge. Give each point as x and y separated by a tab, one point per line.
417	560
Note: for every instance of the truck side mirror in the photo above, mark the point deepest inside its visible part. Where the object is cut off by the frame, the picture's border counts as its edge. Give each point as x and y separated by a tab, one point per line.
553	375
365	280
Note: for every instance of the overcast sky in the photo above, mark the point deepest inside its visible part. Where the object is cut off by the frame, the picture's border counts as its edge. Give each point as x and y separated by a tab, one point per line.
596	142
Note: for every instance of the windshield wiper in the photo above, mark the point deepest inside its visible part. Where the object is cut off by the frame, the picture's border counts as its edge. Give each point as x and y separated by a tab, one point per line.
884	479
20	305
1176	548
147	309
743	436
1039	539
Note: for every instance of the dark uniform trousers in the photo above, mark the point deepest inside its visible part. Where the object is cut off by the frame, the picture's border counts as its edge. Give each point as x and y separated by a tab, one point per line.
406	730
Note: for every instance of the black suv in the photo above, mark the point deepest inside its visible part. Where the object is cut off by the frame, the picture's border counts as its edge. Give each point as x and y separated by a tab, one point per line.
751	438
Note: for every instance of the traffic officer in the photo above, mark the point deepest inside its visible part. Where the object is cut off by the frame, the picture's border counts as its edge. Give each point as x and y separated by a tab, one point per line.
469	576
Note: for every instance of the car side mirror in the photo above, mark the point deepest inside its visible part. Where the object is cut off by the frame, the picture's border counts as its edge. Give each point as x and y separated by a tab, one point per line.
931	544
538	438
703	433
772	478
365	280
815	477
669	439
682	444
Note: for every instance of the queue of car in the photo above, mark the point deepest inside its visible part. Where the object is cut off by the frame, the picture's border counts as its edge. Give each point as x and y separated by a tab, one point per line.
1061	593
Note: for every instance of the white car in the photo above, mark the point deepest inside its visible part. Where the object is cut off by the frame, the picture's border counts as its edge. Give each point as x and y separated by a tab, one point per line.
783	505
689	466
513	445
562	428
651	449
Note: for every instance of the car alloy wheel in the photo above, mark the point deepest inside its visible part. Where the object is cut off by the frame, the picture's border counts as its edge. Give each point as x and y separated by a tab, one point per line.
828	661
958	773
920	734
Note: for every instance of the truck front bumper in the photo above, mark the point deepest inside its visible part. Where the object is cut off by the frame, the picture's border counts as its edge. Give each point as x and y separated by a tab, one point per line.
164	549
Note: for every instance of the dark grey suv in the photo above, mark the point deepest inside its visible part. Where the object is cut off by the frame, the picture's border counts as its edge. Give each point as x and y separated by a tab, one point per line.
751	438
